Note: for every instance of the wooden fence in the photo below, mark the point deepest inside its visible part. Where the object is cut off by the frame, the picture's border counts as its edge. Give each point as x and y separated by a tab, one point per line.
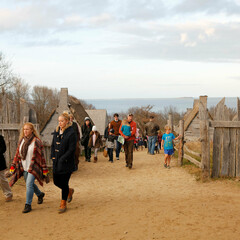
226	142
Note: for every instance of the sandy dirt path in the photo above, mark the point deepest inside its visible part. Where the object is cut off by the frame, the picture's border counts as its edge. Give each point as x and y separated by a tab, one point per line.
113	202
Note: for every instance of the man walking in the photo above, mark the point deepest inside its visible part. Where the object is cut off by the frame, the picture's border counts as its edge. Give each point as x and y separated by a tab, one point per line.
115	124
151	129
129	141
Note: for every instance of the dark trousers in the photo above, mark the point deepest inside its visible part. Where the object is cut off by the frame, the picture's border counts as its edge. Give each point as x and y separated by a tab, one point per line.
110	154
118	148
61	181
87	151
128	149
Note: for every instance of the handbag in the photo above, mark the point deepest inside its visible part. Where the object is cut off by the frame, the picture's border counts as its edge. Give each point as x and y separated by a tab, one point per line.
105	153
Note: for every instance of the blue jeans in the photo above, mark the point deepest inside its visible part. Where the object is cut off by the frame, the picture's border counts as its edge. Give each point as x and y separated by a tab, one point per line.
118	148
151	143
31	187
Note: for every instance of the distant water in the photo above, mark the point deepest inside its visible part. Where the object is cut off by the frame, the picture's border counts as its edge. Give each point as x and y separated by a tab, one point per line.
181	104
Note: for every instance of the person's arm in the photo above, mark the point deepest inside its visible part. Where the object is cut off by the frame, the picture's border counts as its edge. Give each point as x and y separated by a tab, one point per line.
134	130
162	144
177	137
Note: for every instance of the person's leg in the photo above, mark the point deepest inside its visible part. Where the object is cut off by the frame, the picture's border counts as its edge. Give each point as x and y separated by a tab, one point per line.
126	152
65	186
153	142
149	144
130	153
5	185
165	160
89	153
31	187
86	152
95	152
118	149
111	154
169	160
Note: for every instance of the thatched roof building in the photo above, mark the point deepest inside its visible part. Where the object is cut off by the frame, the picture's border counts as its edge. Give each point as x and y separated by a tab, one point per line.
66	103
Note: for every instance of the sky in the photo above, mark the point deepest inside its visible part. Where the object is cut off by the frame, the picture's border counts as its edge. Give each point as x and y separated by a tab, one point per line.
103	49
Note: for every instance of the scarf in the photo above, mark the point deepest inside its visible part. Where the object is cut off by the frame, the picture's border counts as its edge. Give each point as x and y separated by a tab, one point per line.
27	142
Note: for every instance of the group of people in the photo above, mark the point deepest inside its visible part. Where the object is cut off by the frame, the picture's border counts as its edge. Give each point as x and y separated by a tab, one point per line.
29	160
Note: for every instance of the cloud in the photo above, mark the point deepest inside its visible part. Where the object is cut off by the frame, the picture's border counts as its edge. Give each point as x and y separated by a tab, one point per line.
209	7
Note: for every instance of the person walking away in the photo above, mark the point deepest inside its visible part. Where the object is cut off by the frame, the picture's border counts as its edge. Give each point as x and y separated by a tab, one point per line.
167	145
159	139
151	129
86	129
110	144
129	140
115	124
29	162
3	180
63	155
95	142
76	130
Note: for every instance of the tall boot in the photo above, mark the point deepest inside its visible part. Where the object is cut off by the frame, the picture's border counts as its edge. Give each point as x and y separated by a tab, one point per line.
63	206
70	195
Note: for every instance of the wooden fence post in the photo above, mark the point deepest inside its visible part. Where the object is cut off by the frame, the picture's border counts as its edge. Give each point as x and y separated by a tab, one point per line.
204	135
238	141
181	143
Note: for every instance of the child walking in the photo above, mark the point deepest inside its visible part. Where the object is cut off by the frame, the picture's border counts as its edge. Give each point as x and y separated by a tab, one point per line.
95	142
110	144
167	145
126	128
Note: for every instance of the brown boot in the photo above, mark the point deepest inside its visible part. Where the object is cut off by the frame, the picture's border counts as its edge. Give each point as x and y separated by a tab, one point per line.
70	195
63	206
95	159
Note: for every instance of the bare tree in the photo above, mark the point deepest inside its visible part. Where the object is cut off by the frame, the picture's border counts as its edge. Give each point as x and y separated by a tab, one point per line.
45	100
6	76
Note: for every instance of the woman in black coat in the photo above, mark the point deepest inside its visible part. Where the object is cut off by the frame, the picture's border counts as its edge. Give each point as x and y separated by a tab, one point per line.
3	181
86	130
63	154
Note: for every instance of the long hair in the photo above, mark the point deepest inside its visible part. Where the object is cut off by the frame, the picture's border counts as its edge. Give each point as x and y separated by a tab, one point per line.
31	127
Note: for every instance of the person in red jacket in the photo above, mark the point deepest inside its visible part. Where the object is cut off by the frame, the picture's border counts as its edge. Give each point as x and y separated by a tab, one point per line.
129	141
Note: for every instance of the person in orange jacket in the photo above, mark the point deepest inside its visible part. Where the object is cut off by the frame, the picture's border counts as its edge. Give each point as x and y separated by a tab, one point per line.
129	141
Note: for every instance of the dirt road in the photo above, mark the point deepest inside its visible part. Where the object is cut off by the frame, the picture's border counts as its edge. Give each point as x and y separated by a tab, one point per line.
113	202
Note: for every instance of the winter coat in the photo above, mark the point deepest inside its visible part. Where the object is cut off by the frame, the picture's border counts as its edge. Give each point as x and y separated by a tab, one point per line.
2	151
151	129
63	150
86	130
98	142
116	125
106	132
110	141
37	166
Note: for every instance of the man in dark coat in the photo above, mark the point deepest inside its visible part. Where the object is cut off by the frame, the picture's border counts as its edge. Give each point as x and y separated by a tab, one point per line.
86	129
3	181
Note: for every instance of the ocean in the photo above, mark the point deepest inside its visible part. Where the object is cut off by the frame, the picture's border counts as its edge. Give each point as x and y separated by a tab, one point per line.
159	104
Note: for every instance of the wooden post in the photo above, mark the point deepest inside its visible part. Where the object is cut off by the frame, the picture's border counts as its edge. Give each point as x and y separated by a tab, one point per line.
170	121
238	141
204	135
181	143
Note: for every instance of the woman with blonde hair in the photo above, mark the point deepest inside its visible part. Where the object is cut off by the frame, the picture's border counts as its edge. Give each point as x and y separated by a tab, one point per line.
29	162
63	154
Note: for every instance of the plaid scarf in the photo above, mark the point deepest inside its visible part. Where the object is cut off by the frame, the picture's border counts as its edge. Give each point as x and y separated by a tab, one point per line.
24	149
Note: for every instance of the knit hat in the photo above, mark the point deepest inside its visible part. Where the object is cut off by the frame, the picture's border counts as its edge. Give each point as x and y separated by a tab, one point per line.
94	128
86	118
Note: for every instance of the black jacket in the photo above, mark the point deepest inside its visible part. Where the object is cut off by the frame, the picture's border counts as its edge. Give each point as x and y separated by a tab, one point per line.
86	134
2	151
63	151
